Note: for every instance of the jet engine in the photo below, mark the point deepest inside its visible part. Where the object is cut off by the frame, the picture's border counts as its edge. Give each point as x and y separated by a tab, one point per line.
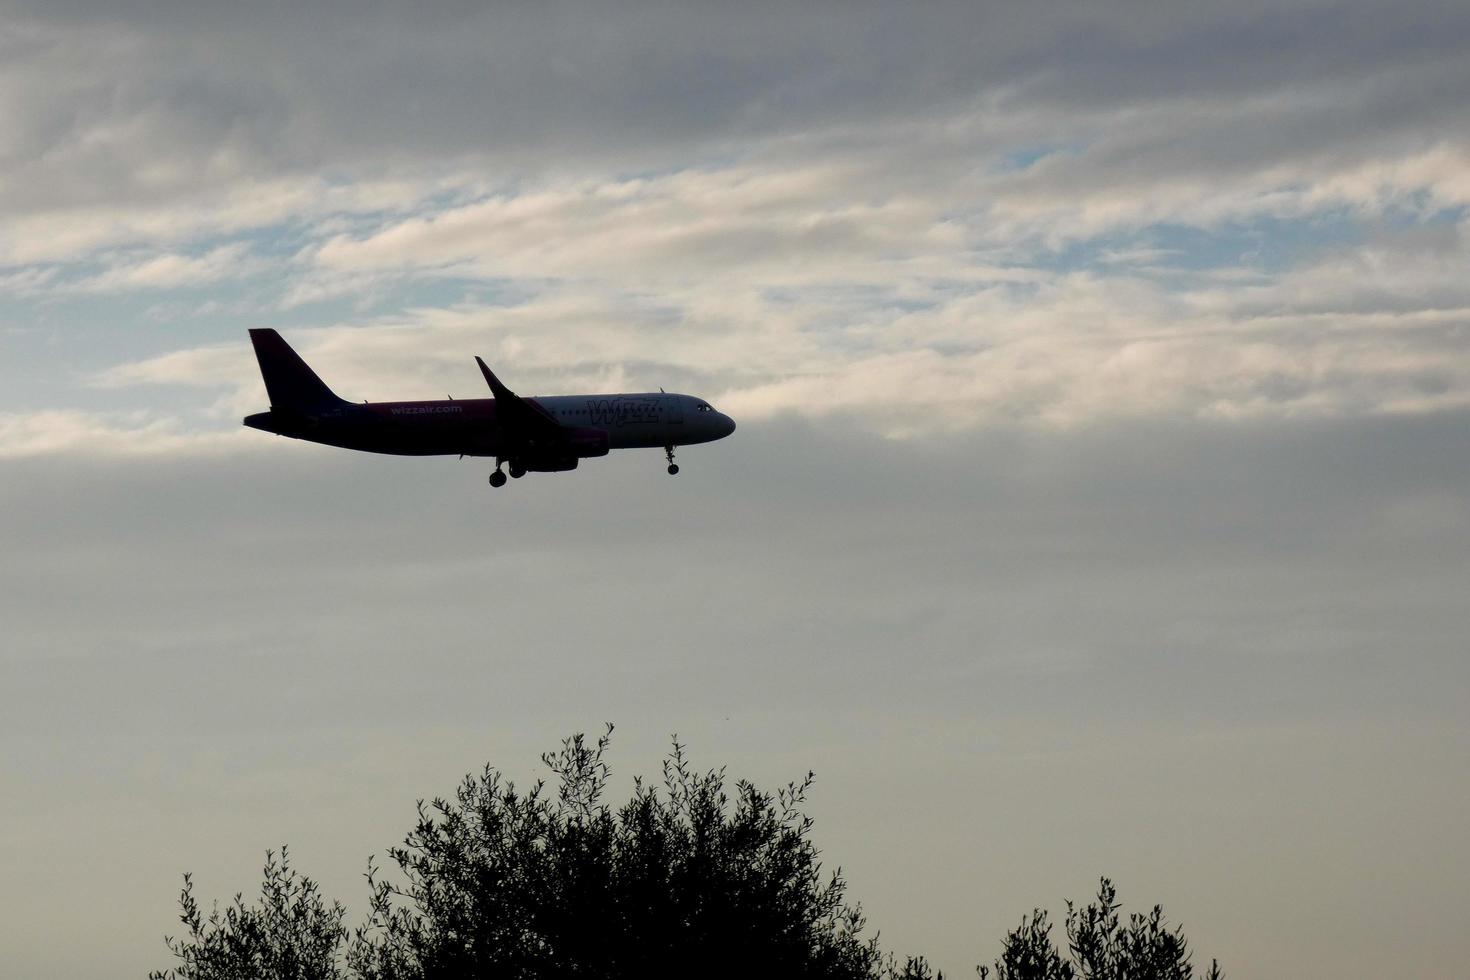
586	443
550	464
579	444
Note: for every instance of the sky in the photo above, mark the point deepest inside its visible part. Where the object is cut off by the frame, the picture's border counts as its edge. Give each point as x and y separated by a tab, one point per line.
1100	503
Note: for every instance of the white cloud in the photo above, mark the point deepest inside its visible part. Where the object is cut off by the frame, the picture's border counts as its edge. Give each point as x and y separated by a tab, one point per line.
140	433
1058	351
68	233
1094	193
172	270
28	281
230	364
790	225
894	267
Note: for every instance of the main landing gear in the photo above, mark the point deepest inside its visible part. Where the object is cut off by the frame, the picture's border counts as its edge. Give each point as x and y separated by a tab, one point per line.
499	476
517	470
669	455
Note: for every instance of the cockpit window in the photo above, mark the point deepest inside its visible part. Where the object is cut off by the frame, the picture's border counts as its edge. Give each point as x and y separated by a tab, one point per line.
702	407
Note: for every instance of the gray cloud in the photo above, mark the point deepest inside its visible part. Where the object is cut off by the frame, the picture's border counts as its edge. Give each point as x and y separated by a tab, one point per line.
141	102
305	640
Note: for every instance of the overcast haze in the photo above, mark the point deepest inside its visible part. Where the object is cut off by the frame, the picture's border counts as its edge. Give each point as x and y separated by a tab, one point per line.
1100	502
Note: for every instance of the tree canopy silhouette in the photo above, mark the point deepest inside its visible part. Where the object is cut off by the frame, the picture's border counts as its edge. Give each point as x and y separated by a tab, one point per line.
497	882
1100	946
291	933
690	877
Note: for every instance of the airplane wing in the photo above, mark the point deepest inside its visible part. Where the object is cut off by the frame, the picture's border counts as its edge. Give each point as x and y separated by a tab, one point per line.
521	421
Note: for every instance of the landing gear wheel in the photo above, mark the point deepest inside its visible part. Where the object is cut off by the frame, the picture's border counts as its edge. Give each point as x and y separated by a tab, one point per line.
673	469
669	455
517	471
497	479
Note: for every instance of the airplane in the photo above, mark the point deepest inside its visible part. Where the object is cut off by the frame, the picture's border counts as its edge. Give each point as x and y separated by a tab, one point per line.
525	435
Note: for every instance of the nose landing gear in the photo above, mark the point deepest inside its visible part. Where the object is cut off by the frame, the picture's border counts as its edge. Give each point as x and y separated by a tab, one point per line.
497	479
669	455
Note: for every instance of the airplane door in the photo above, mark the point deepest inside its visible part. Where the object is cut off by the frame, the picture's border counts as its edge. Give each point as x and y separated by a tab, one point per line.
673	409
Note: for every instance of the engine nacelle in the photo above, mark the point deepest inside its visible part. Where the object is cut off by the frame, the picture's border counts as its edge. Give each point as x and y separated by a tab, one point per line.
550	464
578	444
586	443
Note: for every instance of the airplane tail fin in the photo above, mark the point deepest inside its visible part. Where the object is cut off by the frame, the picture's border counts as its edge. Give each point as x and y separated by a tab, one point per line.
290	382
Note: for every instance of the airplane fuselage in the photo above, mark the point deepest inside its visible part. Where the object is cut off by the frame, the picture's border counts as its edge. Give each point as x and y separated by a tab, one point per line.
468	427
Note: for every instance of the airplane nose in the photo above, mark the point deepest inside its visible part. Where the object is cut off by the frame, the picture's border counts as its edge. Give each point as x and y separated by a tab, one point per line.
727	426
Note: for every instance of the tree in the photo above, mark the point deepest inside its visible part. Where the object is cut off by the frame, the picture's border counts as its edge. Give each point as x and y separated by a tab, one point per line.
687	878
1029	954
291	935
1101	946
499	882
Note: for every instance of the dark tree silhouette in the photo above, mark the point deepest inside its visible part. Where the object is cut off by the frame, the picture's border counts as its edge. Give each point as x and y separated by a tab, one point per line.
1101	946
686	879
1029	954
498	882
292	934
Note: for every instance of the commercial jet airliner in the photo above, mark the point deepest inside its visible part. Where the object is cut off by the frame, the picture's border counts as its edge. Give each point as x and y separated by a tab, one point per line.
525	435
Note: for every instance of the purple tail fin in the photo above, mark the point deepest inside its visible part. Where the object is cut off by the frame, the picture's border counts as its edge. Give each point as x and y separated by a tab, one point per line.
289	381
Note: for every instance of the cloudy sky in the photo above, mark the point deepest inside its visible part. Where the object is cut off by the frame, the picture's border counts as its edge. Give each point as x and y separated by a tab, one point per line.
1100	502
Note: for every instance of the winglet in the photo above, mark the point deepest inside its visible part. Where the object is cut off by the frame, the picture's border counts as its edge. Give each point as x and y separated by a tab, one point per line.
496	388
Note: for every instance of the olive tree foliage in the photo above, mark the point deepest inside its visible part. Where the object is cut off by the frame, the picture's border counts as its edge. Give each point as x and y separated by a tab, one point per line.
1027	953
1100	944
292	934
688	878
694	880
